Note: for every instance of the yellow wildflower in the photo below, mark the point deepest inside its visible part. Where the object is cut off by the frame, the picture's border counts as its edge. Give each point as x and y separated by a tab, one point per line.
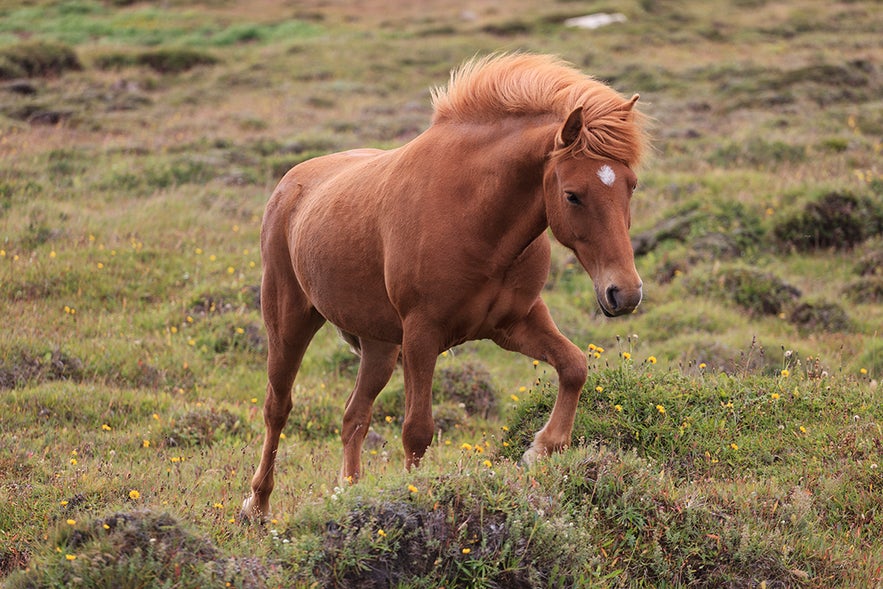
661	409
413	489
134	495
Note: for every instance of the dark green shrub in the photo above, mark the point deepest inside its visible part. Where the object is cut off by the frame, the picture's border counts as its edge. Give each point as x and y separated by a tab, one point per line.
163	61
835	220
201	427
820	317
37	58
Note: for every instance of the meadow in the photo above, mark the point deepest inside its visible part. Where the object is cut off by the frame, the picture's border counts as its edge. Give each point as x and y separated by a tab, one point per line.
729	434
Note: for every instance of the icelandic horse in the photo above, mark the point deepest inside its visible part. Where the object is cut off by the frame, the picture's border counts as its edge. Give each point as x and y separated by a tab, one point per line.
413	250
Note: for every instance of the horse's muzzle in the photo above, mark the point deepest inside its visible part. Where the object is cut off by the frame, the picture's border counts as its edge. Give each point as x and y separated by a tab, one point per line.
615	301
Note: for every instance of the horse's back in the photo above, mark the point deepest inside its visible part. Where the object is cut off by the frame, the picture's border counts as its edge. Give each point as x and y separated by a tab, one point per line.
322	228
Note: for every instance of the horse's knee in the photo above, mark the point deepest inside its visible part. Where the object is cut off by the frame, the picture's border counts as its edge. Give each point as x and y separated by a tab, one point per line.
573	370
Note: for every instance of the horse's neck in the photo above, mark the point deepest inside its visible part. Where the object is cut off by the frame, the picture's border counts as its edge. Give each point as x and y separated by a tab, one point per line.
502	161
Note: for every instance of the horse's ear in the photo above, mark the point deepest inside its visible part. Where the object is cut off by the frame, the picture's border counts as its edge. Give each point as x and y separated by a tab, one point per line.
572	128
631	103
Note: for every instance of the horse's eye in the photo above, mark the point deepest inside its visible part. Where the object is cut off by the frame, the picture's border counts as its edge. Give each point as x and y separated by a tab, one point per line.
572	198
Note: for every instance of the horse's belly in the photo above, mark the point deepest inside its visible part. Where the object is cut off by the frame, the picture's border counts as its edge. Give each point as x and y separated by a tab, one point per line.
342	274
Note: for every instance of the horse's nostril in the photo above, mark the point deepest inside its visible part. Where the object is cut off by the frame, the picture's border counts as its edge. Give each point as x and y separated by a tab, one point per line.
611	298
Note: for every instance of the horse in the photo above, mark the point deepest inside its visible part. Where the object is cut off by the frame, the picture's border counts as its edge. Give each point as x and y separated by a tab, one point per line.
414	250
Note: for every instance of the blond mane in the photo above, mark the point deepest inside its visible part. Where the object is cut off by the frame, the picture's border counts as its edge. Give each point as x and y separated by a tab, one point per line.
508	85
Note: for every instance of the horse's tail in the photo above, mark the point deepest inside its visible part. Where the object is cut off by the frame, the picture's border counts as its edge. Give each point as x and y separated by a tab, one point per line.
352	341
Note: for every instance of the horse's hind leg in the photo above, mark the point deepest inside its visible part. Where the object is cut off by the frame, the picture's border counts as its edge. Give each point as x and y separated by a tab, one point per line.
291	324
377	364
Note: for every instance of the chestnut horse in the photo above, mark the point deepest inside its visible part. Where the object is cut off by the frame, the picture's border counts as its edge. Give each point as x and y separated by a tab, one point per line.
414	250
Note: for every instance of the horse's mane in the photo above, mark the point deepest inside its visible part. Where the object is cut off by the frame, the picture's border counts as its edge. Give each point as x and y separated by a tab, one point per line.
508	85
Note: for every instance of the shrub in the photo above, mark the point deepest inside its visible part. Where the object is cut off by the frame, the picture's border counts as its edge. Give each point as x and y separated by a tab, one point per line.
137	549
36	59
820	317
163	61
835	220
201	427
759	293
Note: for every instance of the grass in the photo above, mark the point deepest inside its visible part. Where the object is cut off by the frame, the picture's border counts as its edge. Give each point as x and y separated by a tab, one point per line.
729	434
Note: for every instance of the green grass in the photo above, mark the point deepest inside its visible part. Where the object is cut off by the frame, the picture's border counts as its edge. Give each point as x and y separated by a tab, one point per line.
132	353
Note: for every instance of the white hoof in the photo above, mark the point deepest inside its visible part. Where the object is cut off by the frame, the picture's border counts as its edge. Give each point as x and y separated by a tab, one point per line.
248	512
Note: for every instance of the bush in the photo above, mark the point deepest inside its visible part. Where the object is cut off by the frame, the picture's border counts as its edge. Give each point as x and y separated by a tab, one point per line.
36	59
202	427
839	221
759	293
137	549
820	317
163	61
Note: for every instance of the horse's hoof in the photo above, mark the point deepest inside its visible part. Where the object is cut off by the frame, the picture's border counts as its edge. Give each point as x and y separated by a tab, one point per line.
248	513
530	456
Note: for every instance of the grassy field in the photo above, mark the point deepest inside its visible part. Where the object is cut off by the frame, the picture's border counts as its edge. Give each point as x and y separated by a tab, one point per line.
730	432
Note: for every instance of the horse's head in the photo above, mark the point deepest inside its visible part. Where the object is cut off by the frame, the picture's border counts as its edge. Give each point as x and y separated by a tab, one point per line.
587	205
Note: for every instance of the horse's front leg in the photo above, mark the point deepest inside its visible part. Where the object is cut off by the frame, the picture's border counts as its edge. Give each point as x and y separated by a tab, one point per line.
419	355
537	336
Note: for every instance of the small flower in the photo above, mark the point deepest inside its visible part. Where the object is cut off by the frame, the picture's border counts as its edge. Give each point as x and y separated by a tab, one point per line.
618	408
651	359
802	429
105	526
62	503
467	447
388	418
703	366
467	550
73	461
626	356
134	495
145	443
786	373
775	396
70	556
599	349
478	449
536	362
488	463
661	409
599	389
505	428
254	400
381	533
863	371
734	446
71	522
106	427
413	489
514	398
218	505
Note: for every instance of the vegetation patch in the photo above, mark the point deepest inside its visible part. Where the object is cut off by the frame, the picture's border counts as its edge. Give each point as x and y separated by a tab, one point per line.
202	427
820	316
37	59
835	220
136	549
759	293
166	60
19	369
